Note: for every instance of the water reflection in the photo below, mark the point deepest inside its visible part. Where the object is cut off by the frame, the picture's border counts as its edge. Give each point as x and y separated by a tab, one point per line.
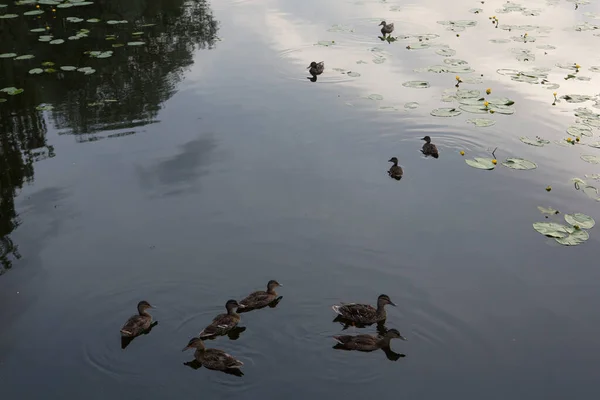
119	93
126	340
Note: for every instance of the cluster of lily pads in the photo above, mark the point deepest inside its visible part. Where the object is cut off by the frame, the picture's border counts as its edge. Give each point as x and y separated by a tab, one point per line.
570	234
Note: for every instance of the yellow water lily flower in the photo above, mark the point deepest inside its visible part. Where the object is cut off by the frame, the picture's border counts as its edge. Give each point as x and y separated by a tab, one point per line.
494	161
548	188
488	90
462	153
485	103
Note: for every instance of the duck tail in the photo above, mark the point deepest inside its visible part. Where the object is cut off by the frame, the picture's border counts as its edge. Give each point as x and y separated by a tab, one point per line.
126	332
336	308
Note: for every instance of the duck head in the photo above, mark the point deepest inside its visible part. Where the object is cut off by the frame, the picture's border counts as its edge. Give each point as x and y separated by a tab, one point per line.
393	160
427	139
194	343
143	306
384	299
232	305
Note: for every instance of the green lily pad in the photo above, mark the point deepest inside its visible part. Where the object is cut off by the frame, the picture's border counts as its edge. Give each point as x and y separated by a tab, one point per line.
581	220
474	109
353	74
481	163
57	41
11	91
25	57
519	163
147	25
8	16
576	237
33	12
2	100
482	122
411	105
8	55
93	20
548	210
595	145
36	71
86	70
37	30
576	98
68	68
590	158
499	40
445	112
47	64
506	110
64	5
74	19
539	142
375	97
136	43
578	130
416	84
552	229
325	43
45	107
137	33
45	38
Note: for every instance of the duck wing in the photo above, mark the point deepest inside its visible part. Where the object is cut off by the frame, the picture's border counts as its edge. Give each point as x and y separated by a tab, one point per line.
218	359
356	312
135	325
257	299
220	325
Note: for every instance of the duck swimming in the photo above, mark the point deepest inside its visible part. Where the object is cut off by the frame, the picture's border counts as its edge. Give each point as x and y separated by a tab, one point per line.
223	323
429	148
387	29
395	170
367	342
315	69
212	358
138	324
261	298
364	313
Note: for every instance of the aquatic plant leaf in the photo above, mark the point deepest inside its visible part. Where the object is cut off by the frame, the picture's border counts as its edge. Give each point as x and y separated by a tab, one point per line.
519	163
36	71
325	43
474	109
25	57
576	237
45	38
539	142
93	20
74	19
64	5
482	122
57	41
506	110
8	55
33	12
68	68
47	64
411	105
8	16
582	220
353	74
576	98
579	130
37	30
481	163
547	210
595	145
446	52
375	97
552	229
135	43
46	107
416	84
445	112
590	158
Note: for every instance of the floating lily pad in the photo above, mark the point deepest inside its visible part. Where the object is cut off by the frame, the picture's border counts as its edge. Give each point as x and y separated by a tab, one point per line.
416	84
576	98
539	142
379	60
36	71
68	68
482	122
499	40
33	12
546	47
590	158
445	112
2	100
136	43
87	70
11	91
411	105
137	33
45	38
64	5
519	163
44	107
474	109
353	74
575	237
57	41
47	64
37	30
481	163
446	52
74	19
579	130
8	55
499	109
8	16
325	43
552	229
581	220
548	210
93	20
25	57
375	97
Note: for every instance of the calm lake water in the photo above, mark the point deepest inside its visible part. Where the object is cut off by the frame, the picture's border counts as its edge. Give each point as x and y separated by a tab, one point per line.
193	167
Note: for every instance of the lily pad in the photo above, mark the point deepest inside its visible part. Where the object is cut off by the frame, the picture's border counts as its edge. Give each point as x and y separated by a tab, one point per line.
74	19
37	30
548	210
416	84
57	41
45	38
86	70
552	229
595	145
25	57
47	64
68	68
8	55
375	97
481	163
353	74
445	112
578	130
11	91
539	142
445	52
581	220
474	109
64	5
36	71
33	12
411	105
325	43
45	107
93	20
482	122
576	237
519	163
136	43
8	16
590	158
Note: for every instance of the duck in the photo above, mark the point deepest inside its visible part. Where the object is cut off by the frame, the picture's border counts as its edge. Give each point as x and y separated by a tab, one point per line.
367	342
395	170
316	69
429	148
261	298
212	358
386	29
223	323
138	324
364	313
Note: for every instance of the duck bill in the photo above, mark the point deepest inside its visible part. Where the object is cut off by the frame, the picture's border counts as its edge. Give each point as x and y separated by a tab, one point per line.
422	138
185	348
403	338
392	303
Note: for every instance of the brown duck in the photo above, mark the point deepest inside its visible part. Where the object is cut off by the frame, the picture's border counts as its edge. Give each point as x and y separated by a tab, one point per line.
364	313
212	358
395	170
367	342
429	148
138	324
223	323
261	298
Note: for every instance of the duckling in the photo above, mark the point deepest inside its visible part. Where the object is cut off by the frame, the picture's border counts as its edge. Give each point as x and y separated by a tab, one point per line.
261	298
367	342
395	170
212	358
223	323
364	313
387	28
138	324
429	148
315	69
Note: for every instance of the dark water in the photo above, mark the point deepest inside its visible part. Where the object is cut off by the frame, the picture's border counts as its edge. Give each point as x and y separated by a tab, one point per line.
219	167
